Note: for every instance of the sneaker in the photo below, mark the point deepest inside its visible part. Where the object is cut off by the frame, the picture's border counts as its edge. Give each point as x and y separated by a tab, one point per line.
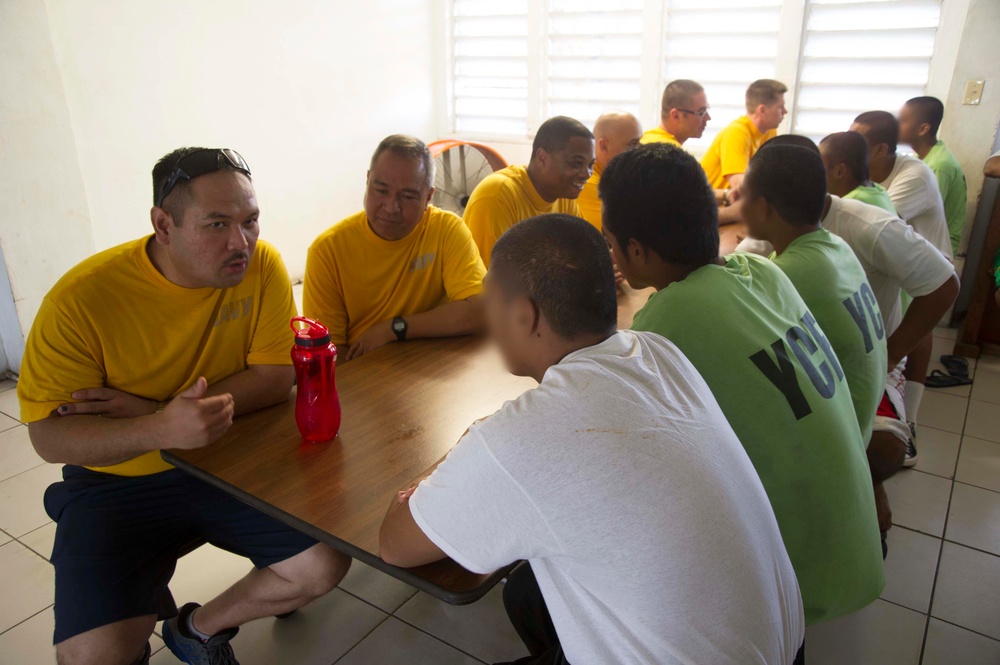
190	649
911	447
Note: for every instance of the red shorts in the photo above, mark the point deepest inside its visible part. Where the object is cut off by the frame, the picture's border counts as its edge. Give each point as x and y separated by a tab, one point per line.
886	409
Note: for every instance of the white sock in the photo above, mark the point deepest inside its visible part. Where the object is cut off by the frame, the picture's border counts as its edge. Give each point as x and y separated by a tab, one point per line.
189	624
913	394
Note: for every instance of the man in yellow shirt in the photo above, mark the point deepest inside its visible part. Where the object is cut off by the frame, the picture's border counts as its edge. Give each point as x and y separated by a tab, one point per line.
727	158
683	114
157	344
562	160
614	133
399	269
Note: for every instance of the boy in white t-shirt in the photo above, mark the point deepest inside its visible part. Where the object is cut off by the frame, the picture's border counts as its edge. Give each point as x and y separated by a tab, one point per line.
914	191
895	259
649	535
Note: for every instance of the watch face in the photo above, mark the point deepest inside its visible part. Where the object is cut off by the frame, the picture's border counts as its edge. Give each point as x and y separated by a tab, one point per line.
399	326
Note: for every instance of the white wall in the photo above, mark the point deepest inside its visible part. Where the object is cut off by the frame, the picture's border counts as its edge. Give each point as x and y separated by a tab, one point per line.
969	130
44	220
303	89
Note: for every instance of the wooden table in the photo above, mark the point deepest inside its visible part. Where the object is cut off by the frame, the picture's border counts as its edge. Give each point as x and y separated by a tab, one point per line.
405	406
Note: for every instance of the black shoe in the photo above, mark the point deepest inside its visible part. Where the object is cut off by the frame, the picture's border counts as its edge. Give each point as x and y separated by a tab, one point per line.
190	649
911	447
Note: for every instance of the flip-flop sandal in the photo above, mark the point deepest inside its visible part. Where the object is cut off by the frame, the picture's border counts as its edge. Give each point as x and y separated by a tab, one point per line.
939	379
956	365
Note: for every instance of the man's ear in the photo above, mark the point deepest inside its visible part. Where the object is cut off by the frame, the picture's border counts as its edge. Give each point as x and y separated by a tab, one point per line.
602	144
839	171
527	316
430	195
163	224
924	129
636	253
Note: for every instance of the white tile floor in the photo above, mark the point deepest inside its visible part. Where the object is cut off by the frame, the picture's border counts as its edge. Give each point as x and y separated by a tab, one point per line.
940	606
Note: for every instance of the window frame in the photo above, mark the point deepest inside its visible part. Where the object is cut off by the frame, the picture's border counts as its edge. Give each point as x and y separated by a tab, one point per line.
793	19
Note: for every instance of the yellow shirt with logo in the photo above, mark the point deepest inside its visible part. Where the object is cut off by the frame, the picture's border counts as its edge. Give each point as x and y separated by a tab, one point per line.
355	279
732	149
503	199
589	202
115	321
659	135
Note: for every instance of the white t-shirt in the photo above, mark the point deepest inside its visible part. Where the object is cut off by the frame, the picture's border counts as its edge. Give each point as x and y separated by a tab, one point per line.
893	255
643	519
915	194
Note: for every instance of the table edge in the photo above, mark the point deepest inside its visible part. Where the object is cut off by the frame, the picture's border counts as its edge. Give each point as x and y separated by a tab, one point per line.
402	574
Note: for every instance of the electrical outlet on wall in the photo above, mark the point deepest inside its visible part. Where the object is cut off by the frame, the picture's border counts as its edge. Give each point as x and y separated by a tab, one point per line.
973	93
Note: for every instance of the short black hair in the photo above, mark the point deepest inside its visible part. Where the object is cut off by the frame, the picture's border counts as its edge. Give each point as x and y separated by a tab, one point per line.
792	179
407	147
792	139
563	264
179	197
658	195
556	132
882	128
929	110
849	148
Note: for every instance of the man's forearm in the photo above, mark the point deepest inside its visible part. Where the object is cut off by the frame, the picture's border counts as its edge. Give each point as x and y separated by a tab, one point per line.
256	387
94	440
921	317
730	214
461	317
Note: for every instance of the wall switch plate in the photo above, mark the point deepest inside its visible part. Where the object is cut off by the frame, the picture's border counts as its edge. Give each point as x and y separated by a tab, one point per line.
973	93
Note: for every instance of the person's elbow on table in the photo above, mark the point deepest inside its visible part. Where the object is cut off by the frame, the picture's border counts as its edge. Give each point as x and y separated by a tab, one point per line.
401	542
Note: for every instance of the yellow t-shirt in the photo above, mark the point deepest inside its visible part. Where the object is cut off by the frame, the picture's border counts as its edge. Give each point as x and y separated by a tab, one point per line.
659	135
732	149
589	202
355	279
115	321
503	199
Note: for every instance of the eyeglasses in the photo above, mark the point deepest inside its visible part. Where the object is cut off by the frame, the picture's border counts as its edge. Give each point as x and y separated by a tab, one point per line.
701	114
202	162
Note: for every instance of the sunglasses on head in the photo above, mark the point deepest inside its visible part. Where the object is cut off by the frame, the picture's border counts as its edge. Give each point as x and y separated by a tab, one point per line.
201	162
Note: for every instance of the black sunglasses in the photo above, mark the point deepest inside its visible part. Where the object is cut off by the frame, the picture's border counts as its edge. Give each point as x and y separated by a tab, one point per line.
199	163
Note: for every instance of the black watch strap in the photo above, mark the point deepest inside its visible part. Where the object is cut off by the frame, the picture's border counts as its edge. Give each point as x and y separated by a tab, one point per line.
399	327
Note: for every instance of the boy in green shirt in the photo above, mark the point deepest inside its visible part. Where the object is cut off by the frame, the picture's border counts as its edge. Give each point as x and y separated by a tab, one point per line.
845	156
771	367
919	120
784	193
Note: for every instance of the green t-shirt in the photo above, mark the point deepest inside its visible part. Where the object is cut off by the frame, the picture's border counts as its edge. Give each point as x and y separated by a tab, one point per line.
781	387
831	281
873	196
996	269
951	182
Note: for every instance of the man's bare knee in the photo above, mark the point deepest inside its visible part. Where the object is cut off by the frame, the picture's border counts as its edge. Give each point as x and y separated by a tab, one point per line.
119	643
316	571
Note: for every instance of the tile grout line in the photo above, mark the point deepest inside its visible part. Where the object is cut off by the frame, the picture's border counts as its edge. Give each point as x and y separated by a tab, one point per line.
442	641
944	531
365	636
974	632
47	607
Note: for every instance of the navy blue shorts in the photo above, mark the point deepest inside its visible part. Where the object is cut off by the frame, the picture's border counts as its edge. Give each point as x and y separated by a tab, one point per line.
118	540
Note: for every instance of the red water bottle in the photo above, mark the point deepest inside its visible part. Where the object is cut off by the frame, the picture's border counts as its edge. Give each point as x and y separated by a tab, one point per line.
317	406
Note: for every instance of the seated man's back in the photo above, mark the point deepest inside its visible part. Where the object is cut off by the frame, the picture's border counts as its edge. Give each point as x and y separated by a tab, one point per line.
620	480
399	269
784	196
777	379
617	478
562	162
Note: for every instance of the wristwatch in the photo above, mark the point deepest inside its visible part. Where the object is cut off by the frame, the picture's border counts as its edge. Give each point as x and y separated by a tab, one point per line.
399	327
725	198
